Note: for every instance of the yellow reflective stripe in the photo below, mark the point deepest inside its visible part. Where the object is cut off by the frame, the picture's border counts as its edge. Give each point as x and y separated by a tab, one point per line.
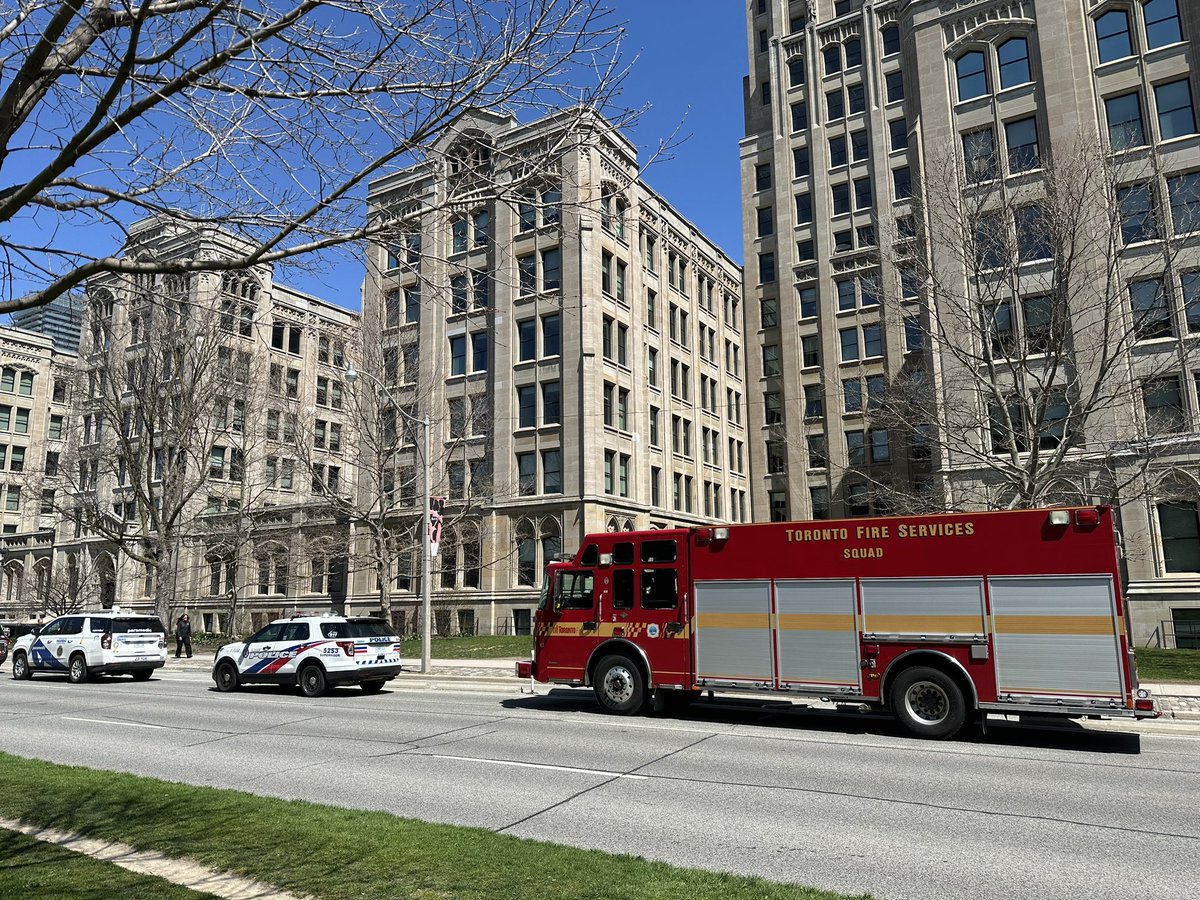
1054	625
816	622
732	620
924	624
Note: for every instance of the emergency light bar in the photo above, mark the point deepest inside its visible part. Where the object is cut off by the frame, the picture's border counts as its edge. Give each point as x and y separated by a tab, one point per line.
1084	518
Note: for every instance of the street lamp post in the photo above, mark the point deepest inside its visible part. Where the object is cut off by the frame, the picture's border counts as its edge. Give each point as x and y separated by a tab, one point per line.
352	375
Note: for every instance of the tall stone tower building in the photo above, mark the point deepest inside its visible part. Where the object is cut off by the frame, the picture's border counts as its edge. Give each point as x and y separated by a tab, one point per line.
907	175
576	343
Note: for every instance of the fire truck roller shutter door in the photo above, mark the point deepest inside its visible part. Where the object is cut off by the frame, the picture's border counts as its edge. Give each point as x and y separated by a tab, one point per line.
1056	636
934	607
733	631
817	640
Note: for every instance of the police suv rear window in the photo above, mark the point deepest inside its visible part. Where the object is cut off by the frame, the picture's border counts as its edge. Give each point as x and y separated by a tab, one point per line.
369	628
140	625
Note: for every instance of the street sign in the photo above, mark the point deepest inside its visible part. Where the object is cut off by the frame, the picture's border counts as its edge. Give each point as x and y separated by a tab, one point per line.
437	506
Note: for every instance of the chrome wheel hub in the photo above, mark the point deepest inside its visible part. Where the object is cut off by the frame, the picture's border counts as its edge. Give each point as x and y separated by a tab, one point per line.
927	702
618	684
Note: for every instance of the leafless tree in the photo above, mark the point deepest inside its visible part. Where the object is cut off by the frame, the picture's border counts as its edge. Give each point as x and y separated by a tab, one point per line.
384	409
266	119
157	366
1048	317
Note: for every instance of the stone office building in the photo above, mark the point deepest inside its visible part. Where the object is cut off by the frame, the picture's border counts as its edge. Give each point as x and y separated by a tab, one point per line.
577	345
847	103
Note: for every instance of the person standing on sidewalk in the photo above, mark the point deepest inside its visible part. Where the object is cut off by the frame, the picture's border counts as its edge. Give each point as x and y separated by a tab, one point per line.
183	636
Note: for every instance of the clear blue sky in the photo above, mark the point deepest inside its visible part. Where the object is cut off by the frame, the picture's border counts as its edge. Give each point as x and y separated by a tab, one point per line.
693	59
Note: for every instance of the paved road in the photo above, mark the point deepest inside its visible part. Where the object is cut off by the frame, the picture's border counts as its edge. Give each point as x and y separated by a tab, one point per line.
841	802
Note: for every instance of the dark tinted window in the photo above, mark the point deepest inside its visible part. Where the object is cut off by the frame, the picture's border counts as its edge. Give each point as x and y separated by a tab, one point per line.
52	628
623	554
138	625
591	556
658	589
295	631
623	589
370	628
575	591
71	625
271	633
658	551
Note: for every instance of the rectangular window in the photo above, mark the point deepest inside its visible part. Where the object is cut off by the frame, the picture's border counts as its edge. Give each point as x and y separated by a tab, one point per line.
1139	220
765	216
762	176
856	452
835	105
804	212
551	335
526	406
551	403
895	87
479	352
799	117
881	450
979	151
841	199
872	340
810	350
772	363
1179	527
1175	115
852	395
814	401
551	269
458	355
837	152
552	472
527	474
1021	136
862	193
1033	233
1124	114
1164	405
849	344
1183	192
801	162
857	94
898	134
860	147
527	340
1151	316
766	268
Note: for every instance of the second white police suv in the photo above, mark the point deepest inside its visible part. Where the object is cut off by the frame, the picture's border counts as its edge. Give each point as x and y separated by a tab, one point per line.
315	652
83	644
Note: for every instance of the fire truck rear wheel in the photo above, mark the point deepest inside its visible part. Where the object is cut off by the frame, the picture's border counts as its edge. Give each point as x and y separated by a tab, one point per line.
928	703
619	686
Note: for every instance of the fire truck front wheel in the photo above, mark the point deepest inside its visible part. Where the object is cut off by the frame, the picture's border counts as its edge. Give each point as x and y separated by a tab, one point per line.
619	686
928	703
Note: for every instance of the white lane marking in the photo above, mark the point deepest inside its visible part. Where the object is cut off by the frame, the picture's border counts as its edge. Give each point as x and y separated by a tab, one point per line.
527	765
112	722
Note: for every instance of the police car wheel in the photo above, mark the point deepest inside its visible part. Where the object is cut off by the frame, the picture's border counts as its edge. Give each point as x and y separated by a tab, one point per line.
77	671
371	687
21	670
312	680
619	686
227	677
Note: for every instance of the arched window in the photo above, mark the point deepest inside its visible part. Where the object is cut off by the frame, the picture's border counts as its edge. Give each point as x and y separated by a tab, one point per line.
222	574
1113	40
1178	523
891	40
853	53
795	71
273	570
832	55
1013	56
972	75
551	540
448	551
472	556
526	554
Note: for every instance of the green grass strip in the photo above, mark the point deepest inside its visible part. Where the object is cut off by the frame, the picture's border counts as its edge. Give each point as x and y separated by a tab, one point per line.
31	868
338	853
1177	666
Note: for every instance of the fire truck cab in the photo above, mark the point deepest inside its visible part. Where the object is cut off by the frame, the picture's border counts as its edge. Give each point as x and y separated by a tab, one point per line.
938	619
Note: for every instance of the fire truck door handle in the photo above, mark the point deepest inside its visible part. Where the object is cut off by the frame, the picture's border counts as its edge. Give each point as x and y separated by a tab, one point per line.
674	627
589	626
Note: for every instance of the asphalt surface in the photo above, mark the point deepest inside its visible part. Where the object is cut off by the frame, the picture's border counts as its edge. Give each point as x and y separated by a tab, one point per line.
837	801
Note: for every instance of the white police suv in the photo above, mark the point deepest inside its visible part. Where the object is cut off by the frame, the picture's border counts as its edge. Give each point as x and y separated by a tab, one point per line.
315	652
82	644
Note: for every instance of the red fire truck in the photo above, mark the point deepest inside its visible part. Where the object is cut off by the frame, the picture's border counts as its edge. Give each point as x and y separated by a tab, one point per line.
934	618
